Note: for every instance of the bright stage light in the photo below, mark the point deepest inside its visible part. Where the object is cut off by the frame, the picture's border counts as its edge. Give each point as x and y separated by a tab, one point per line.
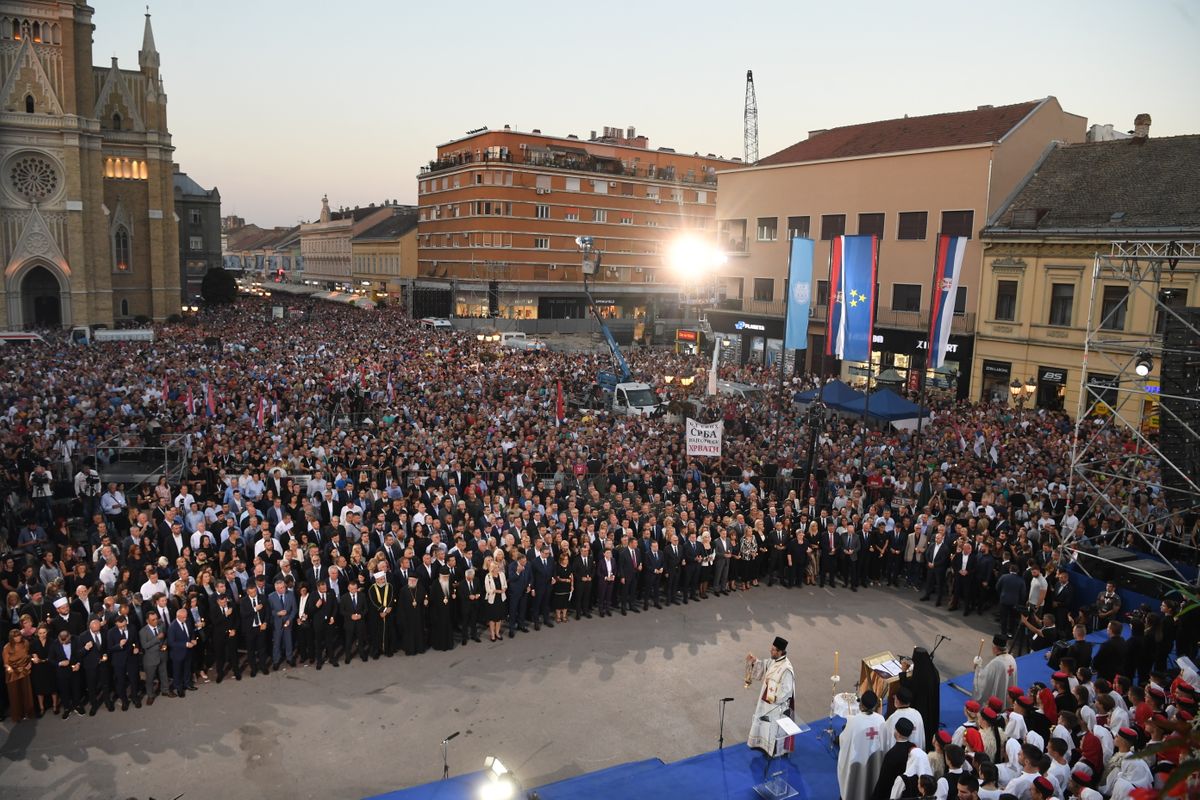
1143	363
693	258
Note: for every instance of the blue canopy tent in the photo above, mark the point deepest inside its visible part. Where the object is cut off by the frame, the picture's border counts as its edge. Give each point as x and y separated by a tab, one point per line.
885	405
836	395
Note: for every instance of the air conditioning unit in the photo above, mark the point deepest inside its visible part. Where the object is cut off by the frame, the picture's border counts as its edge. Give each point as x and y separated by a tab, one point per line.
543	191
523	145
638	270
812	311
554	266
612	184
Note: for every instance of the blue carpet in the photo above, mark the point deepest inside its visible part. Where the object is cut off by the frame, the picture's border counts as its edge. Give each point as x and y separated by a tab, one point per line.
460	787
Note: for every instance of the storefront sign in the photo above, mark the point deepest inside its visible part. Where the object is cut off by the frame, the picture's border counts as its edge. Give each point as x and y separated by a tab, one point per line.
997	369
605	301
923	344
704	439
1052	375
742	325
683	335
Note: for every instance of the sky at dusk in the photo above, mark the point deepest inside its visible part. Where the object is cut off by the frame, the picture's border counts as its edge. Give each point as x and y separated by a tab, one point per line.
277	103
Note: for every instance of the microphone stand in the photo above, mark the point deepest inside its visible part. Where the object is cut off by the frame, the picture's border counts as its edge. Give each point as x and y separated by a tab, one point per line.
721	737
937	643
446	755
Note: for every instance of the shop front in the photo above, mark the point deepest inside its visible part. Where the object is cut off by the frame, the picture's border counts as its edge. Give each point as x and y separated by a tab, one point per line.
1051	388
748	338
906	351
995	382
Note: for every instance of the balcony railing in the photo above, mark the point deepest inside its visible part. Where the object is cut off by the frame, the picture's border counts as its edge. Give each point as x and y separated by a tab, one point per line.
576	162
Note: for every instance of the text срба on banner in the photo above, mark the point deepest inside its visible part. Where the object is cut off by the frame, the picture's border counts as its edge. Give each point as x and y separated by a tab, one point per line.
704	439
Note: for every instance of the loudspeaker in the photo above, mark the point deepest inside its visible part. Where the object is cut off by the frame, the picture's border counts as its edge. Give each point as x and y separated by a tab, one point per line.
1180	378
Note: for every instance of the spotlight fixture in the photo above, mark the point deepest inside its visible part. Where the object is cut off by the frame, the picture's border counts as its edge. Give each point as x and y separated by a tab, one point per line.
1143	363
501	784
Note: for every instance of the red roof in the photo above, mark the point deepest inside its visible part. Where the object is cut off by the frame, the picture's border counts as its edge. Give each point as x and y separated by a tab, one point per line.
979	126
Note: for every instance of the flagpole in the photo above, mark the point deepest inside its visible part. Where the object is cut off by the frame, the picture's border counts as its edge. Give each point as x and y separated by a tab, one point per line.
871	336
787	307
922	376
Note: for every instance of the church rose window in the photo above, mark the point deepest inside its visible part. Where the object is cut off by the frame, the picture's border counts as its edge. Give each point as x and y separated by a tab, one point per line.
34	178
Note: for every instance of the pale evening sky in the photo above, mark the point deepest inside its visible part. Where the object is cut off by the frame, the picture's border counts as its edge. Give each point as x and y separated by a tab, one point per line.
278	102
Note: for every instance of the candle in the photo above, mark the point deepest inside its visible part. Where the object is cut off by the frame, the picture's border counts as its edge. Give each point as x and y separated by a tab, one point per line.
835	663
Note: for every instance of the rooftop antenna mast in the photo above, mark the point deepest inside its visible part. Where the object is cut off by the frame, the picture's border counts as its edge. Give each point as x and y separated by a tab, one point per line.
750	120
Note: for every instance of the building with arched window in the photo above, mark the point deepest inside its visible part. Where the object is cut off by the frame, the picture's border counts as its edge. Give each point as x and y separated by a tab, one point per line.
89	233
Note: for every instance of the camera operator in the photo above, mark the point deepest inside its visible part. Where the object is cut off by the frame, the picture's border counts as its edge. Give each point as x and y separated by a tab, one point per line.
1038	636
115	509
41	489
87	489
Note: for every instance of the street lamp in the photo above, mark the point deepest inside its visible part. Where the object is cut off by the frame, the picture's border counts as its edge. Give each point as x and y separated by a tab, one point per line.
1030	388
1014	389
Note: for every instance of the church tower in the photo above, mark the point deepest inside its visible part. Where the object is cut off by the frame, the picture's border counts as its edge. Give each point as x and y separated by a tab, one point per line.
88	233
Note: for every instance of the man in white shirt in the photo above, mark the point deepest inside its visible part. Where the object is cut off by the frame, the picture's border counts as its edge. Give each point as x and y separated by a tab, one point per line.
153	585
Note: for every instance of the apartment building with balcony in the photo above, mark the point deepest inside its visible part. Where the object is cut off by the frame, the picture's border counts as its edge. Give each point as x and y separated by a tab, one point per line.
905	180
500	211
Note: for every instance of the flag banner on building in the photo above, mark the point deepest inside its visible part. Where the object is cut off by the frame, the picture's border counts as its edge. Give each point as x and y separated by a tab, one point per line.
854	261
704	439
946	271
800	269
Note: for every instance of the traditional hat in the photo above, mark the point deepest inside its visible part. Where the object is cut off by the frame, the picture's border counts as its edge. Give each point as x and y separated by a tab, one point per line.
904	727
995	704
380	574
1128	734
780	644
1015	691
869	700
1082	773
990	714
1000	640
973	739
1184	715
1045	784
1154	691
1060	676
60	602
1025	701
971	706
944	737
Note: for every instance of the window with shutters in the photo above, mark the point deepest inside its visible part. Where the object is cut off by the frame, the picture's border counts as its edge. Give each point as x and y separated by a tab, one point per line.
870	225
912	225
832	226
958	223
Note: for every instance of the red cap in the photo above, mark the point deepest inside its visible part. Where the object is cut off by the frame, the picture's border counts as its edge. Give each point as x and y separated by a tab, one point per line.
1158	716
1185	686
1082	773
1015	691
972	706
995	703
1025	700
990	714
1045	784
1184	715
1128	733
1157	692
974	740
1060	676
944	737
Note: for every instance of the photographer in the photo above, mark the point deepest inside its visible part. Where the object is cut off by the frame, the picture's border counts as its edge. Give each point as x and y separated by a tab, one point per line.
87	489
115	509
41	489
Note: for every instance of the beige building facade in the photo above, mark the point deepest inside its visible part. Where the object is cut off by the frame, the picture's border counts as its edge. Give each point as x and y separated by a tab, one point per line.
1040	252
87	224
325	244
904	180
384	256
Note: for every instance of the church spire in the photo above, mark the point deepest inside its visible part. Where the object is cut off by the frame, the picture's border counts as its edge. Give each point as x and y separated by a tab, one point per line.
148	55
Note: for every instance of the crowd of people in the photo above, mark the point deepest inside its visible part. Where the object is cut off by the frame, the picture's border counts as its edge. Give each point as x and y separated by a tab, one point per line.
357	487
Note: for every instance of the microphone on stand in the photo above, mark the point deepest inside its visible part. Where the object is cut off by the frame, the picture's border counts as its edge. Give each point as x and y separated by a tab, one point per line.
726	699
451	736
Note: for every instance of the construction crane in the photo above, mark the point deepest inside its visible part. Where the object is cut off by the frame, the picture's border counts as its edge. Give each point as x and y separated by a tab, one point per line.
750	120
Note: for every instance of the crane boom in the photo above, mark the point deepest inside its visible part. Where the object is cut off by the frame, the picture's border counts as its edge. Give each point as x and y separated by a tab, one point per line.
622	365
750	120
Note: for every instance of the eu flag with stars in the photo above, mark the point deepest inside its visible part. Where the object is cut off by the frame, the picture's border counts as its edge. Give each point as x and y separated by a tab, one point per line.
854	261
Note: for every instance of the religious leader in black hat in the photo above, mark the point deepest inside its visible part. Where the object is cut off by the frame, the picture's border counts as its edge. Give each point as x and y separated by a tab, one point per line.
776	698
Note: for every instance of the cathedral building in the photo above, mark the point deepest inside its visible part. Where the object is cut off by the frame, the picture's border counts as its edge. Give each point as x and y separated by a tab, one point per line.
88	231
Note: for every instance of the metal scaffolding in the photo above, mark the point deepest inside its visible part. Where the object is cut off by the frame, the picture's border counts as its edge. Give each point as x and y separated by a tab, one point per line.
1112	391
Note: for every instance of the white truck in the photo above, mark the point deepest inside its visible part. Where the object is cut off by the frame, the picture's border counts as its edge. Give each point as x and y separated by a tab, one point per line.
629	398
517	340
84	334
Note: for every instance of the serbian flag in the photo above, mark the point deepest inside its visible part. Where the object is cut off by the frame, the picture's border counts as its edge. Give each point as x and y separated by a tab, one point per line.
853	266
262	411
558	405
946	271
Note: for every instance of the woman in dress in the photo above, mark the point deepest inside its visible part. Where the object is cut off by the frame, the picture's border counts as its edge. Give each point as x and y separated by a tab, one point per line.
749	559
706	555
812	546
43	670
735	561
495	597
17	669
562	584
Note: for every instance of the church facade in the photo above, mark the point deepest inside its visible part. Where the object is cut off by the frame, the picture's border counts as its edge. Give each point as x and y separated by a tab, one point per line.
88	233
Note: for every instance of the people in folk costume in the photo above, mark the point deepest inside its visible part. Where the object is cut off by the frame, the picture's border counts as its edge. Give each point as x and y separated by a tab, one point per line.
999	674
441	620
381	625
776	699
903	763
862	744
412	607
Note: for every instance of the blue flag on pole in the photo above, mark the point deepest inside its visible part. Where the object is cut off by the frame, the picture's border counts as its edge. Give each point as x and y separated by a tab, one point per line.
852	301
799	298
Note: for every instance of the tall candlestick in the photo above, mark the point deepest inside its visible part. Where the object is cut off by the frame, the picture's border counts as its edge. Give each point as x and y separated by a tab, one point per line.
835	663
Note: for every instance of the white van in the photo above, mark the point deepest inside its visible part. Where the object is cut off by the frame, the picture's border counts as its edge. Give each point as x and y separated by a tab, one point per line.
436	324
741	391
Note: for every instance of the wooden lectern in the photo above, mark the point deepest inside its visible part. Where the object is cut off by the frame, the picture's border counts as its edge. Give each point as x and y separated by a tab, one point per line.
872	676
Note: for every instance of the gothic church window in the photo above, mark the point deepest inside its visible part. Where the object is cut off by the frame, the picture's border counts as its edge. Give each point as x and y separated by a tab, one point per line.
121	249
28	104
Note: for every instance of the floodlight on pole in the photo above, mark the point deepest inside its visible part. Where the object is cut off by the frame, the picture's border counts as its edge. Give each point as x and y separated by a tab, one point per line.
501	785
693	258
1143	363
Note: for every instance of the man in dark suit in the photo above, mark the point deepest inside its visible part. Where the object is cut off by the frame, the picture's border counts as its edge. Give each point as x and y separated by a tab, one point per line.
584	570
897	540
1110	656
543	570
66	672
283	617
691	568
354	623
673	568
519	578
92	656
777	558
629	564
124	656
153	637
964	564
253	615
181	639
606	577
849	551
830	555
223	622
470	590
937	560
652	573
1062	596
723	551
324	621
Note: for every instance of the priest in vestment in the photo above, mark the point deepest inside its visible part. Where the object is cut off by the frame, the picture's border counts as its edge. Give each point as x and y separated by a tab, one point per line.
380	625
861	747
776	699
1000	673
